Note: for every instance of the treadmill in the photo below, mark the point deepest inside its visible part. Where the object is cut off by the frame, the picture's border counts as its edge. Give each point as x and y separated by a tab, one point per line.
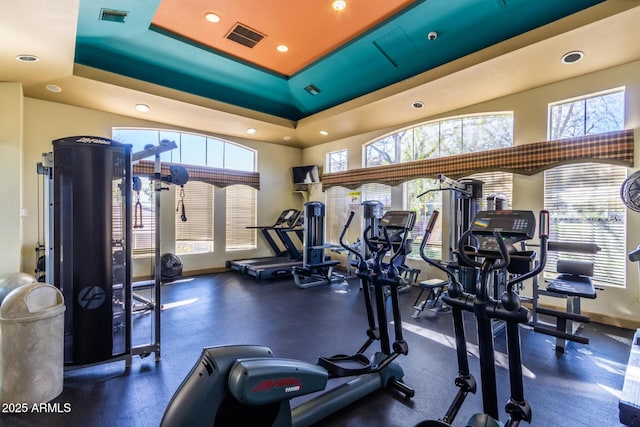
280	236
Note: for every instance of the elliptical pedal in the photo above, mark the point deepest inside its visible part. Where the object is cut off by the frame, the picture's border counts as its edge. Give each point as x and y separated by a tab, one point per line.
343	365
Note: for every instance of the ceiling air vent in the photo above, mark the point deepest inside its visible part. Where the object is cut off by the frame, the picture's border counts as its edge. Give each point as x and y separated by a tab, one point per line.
245	35
113	15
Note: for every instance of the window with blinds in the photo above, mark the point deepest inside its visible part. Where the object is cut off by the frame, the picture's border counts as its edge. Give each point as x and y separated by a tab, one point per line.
584	205
195	235
379	192
241	208
584	199
337	209
424	207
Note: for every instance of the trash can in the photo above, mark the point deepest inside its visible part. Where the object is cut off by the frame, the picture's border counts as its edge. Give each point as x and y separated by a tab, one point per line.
32	344
10	281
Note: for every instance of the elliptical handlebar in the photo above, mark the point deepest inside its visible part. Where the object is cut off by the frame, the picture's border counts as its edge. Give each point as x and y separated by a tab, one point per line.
505	258
346	247
455	288
380	247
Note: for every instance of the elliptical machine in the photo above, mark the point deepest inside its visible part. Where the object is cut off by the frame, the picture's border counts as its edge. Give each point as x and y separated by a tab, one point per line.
242	385
496	233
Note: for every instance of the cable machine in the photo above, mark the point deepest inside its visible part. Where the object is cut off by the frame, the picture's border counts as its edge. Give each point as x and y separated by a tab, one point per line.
87	244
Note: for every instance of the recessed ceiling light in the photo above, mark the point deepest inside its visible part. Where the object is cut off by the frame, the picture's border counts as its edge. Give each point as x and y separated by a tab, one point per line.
339	4
282	48
251	131
143	108
324	132
212	17
417	105
572	57
27	58
54	88
286	138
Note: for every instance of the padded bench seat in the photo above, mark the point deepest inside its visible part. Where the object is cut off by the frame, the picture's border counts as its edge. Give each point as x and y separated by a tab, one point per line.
572	285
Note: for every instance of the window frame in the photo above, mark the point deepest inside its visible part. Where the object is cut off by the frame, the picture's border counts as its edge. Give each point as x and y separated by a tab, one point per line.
613	254
222	146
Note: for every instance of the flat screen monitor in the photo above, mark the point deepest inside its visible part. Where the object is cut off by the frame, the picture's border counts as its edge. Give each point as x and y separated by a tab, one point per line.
306	174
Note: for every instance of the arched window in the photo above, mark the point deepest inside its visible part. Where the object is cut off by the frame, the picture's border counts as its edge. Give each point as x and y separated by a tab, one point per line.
196	235
446	137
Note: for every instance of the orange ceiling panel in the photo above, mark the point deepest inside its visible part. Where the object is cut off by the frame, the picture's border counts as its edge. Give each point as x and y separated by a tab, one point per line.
309	28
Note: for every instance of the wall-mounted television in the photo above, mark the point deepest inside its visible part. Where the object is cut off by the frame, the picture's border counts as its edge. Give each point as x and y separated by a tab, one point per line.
306	174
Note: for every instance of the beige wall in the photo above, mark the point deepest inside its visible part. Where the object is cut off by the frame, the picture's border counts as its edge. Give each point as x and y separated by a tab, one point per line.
46	121
10	176
28	126
614	305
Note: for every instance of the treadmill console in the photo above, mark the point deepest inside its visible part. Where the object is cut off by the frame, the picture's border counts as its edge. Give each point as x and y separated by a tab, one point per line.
288	218
514	226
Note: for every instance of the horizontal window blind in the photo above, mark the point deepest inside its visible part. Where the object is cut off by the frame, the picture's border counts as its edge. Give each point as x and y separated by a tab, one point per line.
196	235
585	206
241	208
494	182
336	211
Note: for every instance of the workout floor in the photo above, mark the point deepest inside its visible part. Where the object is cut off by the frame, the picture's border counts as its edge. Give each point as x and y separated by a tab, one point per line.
578	388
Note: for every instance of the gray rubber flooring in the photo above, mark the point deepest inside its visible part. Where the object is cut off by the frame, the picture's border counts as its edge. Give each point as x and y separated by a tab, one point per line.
578	388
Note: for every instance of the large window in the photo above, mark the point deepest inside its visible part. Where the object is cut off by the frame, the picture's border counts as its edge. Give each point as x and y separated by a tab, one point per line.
442	138
196	235
583	199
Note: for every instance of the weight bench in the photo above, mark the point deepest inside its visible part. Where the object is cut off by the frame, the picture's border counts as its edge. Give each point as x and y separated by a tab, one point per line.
573	283
435	288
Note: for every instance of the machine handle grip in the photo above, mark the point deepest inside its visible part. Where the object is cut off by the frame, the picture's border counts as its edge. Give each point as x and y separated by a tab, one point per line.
349	218
544	224
427	232
462	254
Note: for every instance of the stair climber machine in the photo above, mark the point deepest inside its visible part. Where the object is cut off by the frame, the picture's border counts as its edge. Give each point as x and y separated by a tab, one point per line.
496	232
246	385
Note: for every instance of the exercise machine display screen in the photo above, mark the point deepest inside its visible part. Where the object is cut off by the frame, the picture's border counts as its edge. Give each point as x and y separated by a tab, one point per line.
398	219
514	226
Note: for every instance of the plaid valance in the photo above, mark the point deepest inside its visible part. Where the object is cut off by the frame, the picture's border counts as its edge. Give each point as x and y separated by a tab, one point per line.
527	159
214	176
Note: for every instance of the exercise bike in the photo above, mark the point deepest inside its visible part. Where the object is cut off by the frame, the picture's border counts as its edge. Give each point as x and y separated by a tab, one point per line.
246	385
496	233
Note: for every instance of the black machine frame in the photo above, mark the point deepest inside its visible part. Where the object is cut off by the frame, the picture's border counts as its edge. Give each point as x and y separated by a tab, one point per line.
247	385
497	231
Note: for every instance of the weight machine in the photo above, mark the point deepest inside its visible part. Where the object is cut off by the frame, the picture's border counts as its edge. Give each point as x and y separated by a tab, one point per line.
460	202
317	267
87	222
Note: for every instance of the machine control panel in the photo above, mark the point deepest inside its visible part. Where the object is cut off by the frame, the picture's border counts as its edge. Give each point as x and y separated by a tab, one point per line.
514	226
399	220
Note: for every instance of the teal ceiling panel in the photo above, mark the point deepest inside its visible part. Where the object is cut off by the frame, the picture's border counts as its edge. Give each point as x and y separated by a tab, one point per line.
395	50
